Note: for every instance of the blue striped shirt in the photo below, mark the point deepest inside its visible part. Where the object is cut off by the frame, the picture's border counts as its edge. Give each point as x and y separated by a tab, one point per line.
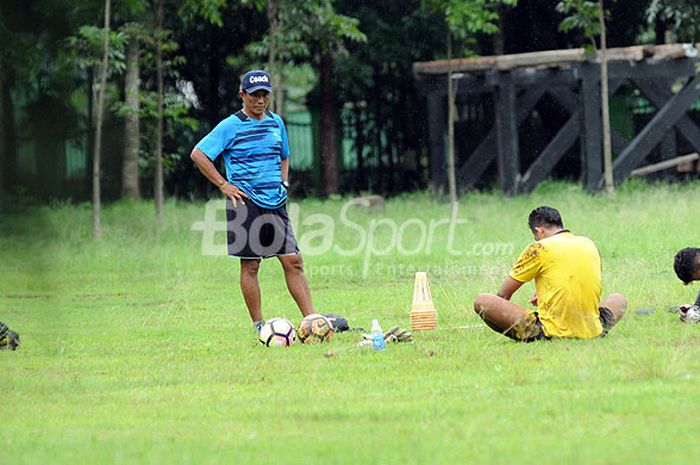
253	151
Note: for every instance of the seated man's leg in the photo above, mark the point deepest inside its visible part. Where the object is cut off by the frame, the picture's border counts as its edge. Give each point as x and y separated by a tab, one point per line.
612	310
503	316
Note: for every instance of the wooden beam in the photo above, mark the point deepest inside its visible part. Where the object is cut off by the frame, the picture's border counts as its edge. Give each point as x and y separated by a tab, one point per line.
471	171
550	156
653	70
471	85
571	101
664	165
437	126
667	52
592	135
654	131
507	136
658	95
688	167
464	64
668	148
566	97
549	77
618	142
555	58
467	85
480	159
548	58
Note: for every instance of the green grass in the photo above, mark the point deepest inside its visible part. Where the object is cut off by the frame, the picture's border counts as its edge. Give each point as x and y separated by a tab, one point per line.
138	349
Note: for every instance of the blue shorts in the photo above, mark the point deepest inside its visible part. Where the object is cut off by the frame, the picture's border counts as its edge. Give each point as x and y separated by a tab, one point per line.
254	232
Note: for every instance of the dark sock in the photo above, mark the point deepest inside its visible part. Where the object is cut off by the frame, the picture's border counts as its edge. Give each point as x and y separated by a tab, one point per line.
258	325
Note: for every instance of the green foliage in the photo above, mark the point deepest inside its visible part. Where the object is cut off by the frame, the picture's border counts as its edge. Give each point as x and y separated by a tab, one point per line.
304	30
293	49
81	57
175	108
176	119
139	30
583	15
466	18
210	10
84	49
476	16
32	34
307	26
682	16
24	56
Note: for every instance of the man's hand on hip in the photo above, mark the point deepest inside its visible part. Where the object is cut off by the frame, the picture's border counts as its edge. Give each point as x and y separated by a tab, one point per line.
234	193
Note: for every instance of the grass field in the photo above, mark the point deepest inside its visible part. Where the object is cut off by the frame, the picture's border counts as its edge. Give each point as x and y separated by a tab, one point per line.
138	348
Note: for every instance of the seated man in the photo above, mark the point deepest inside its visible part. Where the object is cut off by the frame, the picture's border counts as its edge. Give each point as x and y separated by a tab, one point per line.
687	267
567	274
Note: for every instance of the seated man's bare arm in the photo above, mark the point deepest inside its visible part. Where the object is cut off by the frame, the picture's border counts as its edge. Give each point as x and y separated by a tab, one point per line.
508	288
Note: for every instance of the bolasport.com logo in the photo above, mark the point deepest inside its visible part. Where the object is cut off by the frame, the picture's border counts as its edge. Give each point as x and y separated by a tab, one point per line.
351	233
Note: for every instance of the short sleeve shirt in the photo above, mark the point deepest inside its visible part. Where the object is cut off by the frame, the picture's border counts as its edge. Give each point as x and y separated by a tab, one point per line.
567	274
252	151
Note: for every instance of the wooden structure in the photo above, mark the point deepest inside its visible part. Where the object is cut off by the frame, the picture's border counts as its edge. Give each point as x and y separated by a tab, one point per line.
667	75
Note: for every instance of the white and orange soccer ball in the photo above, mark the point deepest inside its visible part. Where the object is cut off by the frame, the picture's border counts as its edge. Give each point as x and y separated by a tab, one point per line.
277	332
315	328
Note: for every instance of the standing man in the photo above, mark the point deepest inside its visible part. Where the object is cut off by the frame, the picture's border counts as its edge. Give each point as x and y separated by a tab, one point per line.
686	264
253	143
567	274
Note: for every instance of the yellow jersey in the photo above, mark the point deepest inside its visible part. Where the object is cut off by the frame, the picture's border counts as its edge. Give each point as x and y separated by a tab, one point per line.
567	273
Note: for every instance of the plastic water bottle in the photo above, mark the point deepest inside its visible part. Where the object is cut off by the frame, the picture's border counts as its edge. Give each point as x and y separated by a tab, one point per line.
377	336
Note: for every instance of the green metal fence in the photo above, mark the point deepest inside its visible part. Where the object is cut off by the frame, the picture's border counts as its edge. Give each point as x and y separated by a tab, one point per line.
301	142
300	129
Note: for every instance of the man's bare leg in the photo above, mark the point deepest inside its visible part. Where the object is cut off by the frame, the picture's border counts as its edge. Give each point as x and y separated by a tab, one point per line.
293	266
617	304
498	313
250	287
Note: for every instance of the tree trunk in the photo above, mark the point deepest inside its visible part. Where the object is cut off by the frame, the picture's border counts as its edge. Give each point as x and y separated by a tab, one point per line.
90	94
607	149
360	148
215	64
279	98
328	129
451	178
9	131
659	31
275	74
379	183
158	184
3	145
96	205
130	167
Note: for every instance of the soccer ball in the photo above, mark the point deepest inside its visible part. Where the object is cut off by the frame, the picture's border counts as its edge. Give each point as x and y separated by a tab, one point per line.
277	332
315	328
